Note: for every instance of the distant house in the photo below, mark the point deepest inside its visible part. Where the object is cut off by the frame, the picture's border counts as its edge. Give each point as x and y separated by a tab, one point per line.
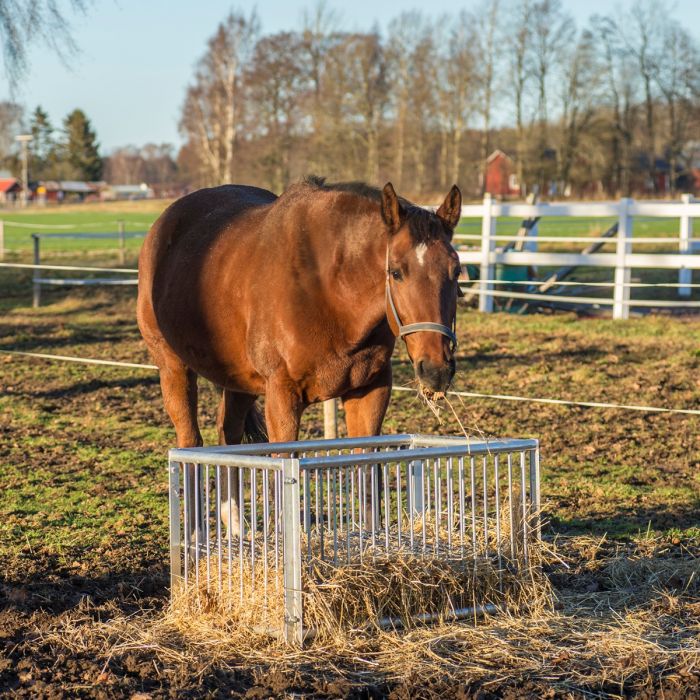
73	190
10	188
500	178
142	191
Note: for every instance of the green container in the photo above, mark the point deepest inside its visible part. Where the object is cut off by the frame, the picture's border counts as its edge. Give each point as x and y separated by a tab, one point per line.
512	273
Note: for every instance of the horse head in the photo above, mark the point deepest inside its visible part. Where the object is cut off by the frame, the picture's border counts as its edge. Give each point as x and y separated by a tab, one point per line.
422	269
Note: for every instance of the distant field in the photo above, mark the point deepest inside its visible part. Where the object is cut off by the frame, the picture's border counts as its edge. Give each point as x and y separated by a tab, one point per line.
103	217
88	218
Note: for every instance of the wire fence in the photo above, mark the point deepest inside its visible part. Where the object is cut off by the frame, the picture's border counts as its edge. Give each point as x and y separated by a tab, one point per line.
466	394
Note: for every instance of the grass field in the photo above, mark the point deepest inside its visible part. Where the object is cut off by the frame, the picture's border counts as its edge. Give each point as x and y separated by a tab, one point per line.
83	516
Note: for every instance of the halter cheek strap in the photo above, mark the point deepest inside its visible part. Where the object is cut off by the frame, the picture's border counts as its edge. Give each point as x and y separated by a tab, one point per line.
427	326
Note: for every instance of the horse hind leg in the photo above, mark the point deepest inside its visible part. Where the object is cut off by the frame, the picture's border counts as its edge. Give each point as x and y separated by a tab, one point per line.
231	423
179	387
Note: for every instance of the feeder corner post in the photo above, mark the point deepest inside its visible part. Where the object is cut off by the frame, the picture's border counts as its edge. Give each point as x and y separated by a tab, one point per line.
175	540
623	273
488	246
291	553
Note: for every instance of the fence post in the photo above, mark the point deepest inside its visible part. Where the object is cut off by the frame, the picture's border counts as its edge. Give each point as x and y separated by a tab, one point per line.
291	553
2	239
36	297
685	246
488	245
621	309
330	419
122	242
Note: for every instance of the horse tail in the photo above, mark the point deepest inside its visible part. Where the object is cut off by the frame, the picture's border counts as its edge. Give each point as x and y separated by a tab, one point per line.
254	428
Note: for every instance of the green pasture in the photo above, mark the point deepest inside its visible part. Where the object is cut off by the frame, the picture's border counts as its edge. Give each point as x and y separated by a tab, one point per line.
138	216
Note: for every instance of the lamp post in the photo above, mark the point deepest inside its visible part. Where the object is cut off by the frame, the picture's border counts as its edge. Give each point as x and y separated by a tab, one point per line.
24	140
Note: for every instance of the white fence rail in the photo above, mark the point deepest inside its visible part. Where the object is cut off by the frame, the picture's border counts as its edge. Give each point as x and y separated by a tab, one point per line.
621	262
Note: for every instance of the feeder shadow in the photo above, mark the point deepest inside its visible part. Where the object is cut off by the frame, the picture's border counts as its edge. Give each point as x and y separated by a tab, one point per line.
93	385
631	521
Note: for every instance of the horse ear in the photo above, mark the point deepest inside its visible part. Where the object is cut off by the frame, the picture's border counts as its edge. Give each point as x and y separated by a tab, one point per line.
451	209
392	211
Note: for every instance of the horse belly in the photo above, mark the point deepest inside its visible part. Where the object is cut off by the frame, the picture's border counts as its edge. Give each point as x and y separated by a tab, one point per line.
339	375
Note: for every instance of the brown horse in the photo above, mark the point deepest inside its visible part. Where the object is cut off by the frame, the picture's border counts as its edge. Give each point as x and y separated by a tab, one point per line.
298	297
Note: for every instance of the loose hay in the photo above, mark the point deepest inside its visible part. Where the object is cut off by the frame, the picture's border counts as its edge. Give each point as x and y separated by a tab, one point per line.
627	620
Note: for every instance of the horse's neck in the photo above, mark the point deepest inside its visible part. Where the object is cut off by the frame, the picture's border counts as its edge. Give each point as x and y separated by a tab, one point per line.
360	256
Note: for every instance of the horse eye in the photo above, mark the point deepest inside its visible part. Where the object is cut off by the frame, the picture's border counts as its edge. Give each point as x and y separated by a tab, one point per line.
396	274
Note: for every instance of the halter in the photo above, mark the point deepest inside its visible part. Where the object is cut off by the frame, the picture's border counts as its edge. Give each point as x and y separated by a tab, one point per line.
428	326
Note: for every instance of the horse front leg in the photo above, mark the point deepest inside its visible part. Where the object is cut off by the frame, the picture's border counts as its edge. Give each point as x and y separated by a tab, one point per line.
283	409
365	409
233	409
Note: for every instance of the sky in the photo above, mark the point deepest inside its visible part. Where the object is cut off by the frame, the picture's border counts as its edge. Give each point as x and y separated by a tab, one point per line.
137	56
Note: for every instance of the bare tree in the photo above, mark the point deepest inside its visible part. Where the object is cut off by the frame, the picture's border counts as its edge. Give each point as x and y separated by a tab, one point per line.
11	122
405	33
23	22
578	100
213	105
552	31
520	69
485	40
277	84
641	31
678	78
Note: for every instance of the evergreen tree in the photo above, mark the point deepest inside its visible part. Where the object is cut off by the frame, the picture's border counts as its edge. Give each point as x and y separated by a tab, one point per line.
81	150
43	146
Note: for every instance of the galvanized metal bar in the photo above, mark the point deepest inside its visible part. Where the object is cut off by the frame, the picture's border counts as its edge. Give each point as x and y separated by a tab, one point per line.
197	520
206	522
511	518
307	515
320	524
175	542
241	530
535	491
461	505
335	516
217	500
523	498
485	478
387	505
411	496
497	500
187	518
449	498
472	469
291	557
436	474
399	504
266	515
253	523
229	527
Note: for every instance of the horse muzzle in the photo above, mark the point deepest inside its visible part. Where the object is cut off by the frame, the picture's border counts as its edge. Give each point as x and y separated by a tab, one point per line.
436	377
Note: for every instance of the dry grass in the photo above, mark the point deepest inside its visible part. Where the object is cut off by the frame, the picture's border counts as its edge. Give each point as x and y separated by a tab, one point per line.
635	619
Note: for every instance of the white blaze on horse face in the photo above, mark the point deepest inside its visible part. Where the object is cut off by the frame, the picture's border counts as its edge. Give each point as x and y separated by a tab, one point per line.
420	253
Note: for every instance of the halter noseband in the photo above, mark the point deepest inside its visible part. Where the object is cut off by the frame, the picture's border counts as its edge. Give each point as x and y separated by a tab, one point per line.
428	326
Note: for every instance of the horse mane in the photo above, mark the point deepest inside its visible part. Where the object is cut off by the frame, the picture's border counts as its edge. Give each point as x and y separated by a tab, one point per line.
423	225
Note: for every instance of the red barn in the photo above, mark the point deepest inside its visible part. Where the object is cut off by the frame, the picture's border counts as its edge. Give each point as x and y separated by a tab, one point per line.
500	177
9	189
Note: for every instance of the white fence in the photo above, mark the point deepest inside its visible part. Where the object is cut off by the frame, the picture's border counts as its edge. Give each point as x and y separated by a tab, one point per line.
622	261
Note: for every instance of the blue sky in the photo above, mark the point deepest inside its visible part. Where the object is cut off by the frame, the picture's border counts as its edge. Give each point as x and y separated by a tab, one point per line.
137	56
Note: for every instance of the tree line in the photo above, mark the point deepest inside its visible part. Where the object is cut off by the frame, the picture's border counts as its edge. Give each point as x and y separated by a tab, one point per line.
601	107
70	153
